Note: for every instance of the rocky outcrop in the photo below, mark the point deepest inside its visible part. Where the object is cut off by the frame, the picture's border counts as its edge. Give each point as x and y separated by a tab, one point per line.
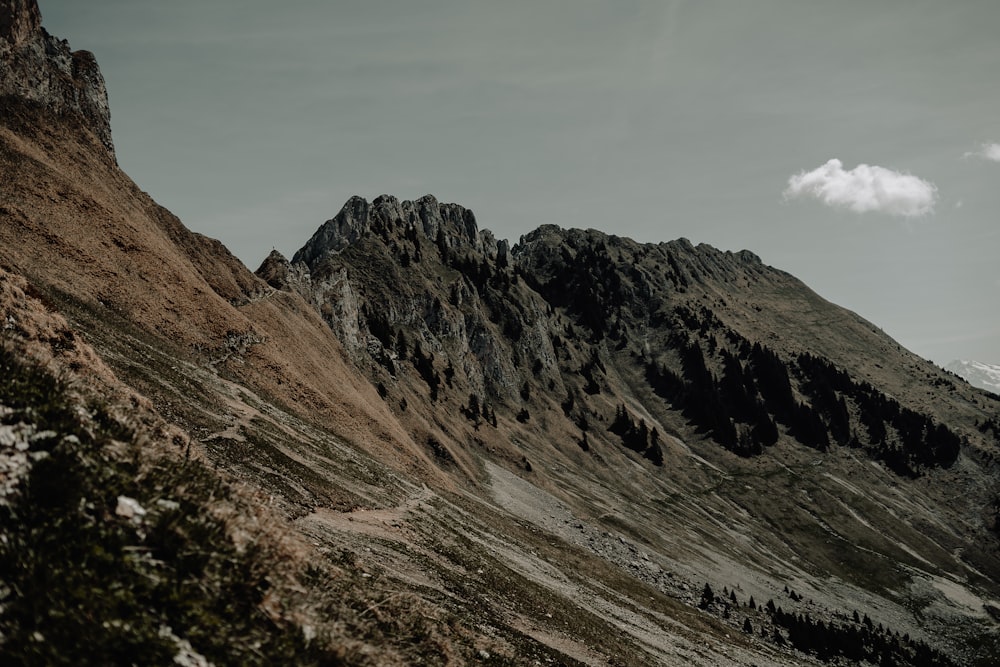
449	225
37	68
330	293
19	19
390	275
279	273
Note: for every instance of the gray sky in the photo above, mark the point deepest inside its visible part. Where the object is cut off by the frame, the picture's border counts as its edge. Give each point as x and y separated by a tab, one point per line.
254	121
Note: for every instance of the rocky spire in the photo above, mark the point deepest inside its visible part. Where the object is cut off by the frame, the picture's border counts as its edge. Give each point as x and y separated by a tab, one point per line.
386	215
36	67
19	19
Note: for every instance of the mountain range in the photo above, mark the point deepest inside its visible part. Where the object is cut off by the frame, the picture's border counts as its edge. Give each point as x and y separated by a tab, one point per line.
414	443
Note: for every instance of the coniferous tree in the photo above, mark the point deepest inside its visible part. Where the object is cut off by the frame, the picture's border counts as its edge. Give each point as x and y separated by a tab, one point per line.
707	597
569	402
654	453
472	412
771	375
402	348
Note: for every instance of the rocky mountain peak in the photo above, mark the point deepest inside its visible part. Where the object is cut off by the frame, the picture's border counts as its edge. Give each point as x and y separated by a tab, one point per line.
39	69
274	268
19	19
550	252
448	225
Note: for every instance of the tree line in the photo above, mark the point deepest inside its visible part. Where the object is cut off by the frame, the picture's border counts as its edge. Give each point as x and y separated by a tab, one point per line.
812	398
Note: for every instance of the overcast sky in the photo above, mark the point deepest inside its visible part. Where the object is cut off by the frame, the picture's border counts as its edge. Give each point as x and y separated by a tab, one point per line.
855	144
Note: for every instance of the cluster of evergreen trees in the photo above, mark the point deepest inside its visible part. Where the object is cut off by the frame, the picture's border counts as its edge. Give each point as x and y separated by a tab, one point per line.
589	285
637	436
476	267
741	409
905	440
478	410
856	639
588	372
736	409
859	641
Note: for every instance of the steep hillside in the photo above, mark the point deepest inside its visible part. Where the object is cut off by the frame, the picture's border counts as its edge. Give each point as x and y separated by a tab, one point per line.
413	443
667	390
82	231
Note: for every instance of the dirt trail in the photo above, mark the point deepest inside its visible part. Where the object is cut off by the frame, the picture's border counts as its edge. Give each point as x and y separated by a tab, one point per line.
385	522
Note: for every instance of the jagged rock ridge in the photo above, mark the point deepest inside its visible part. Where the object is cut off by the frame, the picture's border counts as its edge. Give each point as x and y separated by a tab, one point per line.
40	69
387	241
564	304
358	218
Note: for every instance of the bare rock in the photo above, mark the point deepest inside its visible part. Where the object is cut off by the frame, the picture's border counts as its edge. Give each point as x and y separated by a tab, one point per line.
36	67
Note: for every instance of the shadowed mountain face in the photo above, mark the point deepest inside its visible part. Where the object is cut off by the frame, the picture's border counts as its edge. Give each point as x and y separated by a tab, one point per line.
414	442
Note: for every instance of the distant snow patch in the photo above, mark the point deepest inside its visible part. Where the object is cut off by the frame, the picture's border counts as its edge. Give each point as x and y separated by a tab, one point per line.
976	373
864	189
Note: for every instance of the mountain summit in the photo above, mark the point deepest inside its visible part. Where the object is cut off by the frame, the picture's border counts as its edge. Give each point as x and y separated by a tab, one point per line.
413	443
41	70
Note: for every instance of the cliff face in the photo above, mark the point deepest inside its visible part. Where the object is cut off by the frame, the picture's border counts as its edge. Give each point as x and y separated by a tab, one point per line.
391	275
37	68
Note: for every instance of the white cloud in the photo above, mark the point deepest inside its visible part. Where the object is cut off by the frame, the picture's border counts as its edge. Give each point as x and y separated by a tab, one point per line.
865	188
987	152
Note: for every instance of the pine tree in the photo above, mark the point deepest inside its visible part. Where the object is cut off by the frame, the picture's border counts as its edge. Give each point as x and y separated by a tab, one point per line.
473	410
655	454
707	597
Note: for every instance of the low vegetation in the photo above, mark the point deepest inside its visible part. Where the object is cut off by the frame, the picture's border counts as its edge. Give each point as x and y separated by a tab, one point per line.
830	637
104	541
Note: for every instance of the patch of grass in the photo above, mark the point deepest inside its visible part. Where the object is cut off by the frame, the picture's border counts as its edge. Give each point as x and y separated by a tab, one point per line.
83	585
497	590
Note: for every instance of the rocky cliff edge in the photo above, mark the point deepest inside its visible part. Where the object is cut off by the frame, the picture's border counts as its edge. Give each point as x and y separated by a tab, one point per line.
37	68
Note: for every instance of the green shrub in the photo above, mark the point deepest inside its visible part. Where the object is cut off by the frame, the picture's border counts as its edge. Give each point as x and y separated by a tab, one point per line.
83	585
